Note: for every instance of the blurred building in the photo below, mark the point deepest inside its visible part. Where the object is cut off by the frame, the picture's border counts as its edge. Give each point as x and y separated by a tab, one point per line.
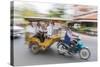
85	15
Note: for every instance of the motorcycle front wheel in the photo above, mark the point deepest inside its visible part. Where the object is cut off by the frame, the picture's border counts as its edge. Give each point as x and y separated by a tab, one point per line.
84	53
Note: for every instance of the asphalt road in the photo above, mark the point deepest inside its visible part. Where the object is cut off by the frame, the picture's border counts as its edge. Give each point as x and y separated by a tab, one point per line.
23	56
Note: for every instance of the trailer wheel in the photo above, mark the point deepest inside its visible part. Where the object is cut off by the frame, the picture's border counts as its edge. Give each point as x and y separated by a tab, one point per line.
35	49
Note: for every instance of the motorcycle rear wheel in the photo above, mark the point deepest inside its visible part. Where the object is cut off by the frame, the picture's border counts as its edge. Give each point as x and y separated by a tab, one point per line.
60	49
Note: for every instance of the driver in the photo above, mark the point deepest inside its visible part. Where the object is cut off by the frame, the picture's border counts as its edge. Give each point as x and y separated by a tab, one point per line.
69	37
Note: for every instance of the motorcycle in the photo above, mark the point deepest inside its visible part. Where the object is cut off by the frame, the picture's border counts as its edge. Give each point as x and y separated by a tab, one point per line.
77	46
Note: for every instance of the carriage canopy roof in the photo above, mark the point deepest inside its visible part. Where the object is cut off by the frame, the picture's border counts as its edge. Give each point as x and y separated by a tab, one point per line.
32	19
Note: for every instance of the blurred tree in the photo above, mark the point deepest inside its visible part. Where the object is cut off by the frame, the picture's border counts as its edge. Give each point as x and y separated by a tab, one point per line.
57	11
26	12
21	11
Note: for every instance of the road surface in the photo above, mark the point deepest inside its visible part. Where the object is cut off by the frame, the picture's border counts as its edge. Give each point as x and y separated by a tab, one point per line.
23	56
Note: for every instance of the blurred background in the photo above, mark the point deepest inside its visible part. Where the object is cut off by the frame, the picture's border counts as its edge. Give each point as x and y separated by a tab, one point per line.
81	18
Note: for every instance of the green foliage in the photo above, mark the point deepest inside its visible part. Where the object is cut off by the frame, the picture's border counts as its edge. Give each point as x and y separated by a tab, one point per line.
28	12
57	11
83	29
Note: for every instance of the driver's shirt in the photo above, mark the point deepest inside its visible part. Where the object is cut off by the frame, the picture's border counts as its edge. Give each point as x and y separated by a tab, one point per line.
69	33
